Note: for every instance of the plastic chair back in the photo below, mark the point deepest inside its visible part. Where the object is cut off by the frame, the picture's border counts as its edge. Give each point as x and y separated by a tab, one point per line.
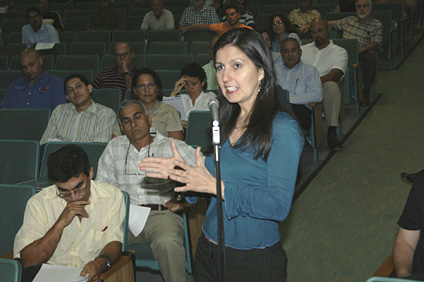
10	270
13	199
110	98
23	124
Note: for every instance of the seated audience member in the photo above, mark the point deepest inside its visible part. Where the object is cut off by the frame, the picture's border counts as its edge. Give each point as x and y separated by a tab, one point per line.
281	28
369	33
246	17
199	13
147	88
50	17
331	62
266	34
408	250
105	18
118	165
210	69
37	88
80	120
36	31
303	16
193	79
233	18
301	80
119	76
158	18
8	9
76	222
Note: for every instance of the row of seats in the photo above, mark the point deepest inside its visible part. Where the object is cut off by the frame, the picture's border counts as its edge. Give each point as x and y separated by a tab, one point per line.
23	161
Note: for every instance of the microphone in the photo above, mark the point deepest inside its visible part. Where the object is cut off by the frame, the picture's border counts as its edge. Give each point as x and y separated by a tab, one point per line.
213	106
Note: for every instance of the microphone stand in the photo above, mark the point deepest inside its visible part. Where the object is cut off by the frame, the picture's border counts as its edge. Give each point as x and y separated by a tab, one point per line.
216	141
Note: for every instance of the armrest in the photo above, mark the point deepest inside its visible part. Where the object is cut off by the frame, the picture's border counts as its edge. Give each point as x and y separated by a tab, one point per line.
121	270
386	269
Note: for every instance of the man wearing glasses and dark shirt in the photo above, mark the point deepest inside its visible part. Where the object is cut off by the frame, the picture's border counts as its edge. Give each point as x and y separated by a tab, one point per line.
76	222
119	76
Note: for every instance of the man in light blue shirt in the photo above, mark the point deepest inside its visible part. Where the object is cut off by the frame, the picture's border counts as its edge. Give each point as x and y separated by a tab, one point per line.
302	81
36	31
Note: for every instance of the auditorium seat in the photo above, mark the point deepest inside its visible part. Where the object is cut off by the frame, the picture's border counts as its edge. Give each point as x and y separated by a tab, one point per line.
168	62
168	47
199	47
74	62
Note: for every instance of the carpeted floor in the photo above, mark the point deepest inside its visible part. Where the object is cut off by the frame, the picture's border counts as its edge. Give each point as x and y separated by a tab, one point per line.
343	225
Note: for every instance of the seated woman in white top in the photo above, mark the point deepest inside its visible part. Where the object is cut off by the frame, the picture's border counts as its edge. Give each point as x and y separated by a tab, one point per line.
193	79
163	118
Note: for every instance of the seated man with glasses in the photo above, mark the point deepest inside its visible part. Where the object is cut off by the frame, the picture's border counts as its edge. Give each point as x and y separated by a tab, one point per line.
118	165
232	21
76	222
120	75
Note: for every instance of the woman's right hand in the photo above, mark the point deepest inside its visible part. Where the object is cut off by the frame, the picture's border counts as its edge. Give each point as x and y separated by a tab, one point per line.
178	86
159	167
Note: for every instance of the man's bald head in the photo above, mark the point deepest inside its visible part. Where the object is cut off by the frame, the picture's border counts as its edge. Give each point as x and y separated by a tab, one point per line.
31	64
320	33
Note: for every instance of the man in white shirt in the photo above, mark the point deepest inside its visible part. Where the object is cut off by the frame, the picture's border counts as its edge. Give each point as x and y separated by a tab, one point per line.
118	165
158	18
36	31
331	62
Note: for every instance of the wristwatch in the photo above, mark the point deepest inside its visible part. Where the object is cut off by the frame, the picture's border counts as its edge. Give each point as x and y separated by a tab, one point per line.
107	261
128	73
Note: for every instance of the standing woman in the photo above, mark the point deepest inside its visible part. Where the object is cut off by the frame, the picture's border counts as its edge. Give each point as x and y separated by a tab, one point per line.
261	146
281	28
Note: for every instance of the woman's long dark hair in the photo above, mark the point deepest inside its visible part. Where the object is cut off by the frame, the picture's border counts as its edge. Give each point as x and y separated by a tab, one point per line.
258	132
289	27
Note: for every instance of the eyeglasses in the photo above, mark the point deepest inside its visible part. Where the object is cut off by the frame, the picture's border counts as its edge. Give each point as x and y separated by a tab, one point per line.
277	22
67	194
231	14
123	55
126	160
143	86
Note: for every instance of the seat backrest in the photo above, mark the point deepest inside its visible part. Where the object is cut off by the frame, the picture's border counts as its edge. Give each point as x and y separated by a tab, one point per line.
61	6
23	124
203	59
58	49
75	23
395	7
4	62
134	22
385	17
162	35
199	130
15	37
199	47
198	35
78	62
3	92
110	98
177	47
12	49
65	73
7	76
13	199
19	160
169	62
95	36
93	150
168	78
351	46
129	35
88	48
10	270
12	25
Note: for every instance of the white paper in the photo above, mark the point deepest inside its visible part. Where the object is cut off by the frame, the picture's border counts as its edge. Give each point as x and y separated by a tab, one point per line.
44	46
50	273
138	218
177	102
